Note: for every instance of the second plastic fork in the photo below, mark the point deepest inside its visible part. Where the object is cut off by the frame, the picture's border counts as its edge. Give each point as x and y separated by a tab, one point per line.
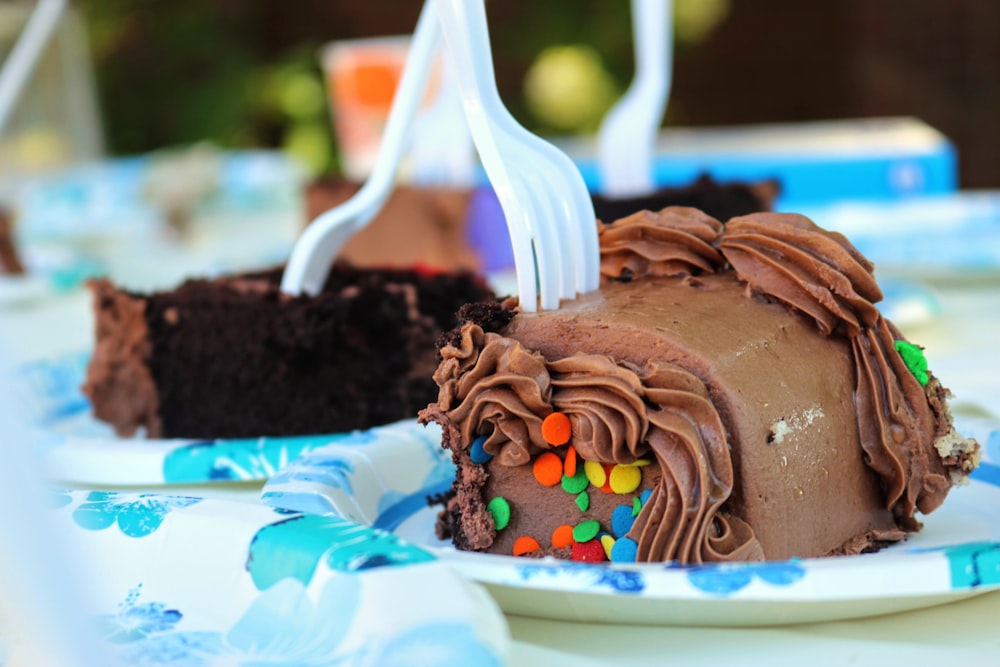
316	248
545	201
626	140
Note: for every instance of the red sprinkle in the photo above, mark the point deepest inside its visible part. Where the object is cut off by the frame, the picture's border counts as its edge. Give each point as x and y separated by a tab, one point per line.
588	552
556	429
525	545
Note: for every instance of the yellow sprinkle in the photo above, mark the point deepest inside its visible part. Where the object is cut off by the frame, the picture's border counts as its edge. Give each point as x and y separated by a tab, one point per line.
607	542
638	463
625	479
595	473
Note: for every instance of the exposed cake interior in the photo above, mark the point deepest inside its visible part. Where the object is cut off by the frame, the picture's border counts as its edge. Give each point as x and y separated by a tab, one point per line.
234	357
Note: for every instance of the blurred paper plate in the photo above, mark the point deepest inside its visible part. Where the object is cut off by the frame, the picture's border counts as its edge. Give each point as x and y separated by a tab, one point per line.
177	581
78	449
957	555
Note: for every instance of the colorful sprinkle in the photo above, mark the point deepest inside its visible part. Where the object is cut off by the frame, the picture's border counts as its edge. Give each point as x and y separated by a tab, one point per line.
636	507
595	473
644	496
477	453
913	357
607	542
548	469
588	552
556	429
576	483
586	530
583	501
562	536
621	520
500	509
525	545
624	550
624	479
638	463
569	463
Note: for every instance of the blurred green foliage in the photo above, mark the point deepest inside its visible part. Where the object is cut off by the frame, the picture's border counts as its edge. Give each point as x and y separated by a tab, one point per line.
245	73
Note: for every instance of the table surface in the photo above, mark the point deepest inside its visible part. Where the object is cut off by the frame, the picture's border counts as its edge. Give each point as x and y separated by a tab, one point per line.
960	347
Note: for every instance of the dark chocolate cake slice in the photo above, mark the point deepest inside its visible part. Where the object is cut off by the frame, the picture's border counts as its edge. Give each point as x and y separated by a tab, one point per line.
234	357
10	260
721	200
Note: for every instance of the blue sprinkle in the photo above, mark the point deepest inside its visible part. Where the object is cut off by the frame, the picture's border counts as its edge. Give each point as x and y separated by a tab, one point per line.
621	520
644	496
624	551
477	453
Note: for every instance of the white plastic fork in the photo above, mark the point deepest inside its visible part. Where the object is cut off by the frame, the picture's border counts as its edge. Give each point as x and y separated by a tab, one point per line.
314	251
546	204
626	140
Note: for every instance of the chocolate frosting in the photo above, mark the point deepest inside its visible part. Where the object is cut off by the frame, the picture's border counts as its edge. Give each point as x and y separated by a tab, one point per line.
493	385
675	241
822	275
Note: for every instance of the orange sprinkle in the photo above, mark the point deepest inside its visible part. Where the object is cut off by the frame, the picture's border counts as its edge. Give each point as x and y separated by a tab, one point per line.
556	429
606	487
548	469
525	545
569	465
562	536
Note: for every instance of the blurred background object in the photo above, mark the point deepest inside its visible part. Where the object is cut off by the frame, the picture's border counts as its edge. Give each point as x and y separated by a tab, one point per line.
53	117
246	73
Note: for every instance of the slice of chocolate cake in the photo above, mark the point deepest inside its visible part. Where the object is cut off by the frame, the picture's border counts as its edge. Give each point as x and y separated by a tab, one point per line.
234	357
731	392
721	200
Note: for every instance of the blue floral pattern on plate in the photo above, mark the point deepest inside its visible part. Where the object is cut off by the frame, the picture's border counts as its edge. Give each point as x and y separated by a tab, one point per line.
285	627
82	450
137	515
269	588
921	569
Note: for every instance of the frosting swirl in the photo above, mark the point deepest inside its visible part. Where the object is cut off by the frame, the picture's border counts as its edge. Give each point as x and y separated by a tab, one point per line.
494	386
676	241
817	272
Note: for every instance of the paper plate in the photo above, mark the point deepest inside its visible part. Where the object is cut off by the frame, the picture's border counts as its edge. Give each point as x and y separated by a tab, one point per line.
957	555
188	581
77	449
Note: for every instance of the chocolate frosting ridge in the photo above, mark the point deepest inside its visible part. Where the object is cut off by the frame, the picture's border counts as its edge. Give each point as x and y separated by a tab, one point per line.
494	386
674	241
814	271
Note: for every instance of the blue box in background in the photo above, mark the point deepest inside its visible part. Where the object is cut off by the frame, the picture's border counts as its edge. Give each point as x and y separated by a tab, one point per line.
814	162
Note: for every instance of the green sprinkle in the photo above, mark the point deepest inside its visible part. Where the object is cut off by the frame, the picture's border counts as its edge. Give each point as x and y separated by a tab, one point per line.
500	509
576	483
583	501
914	359
636	506
586	530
